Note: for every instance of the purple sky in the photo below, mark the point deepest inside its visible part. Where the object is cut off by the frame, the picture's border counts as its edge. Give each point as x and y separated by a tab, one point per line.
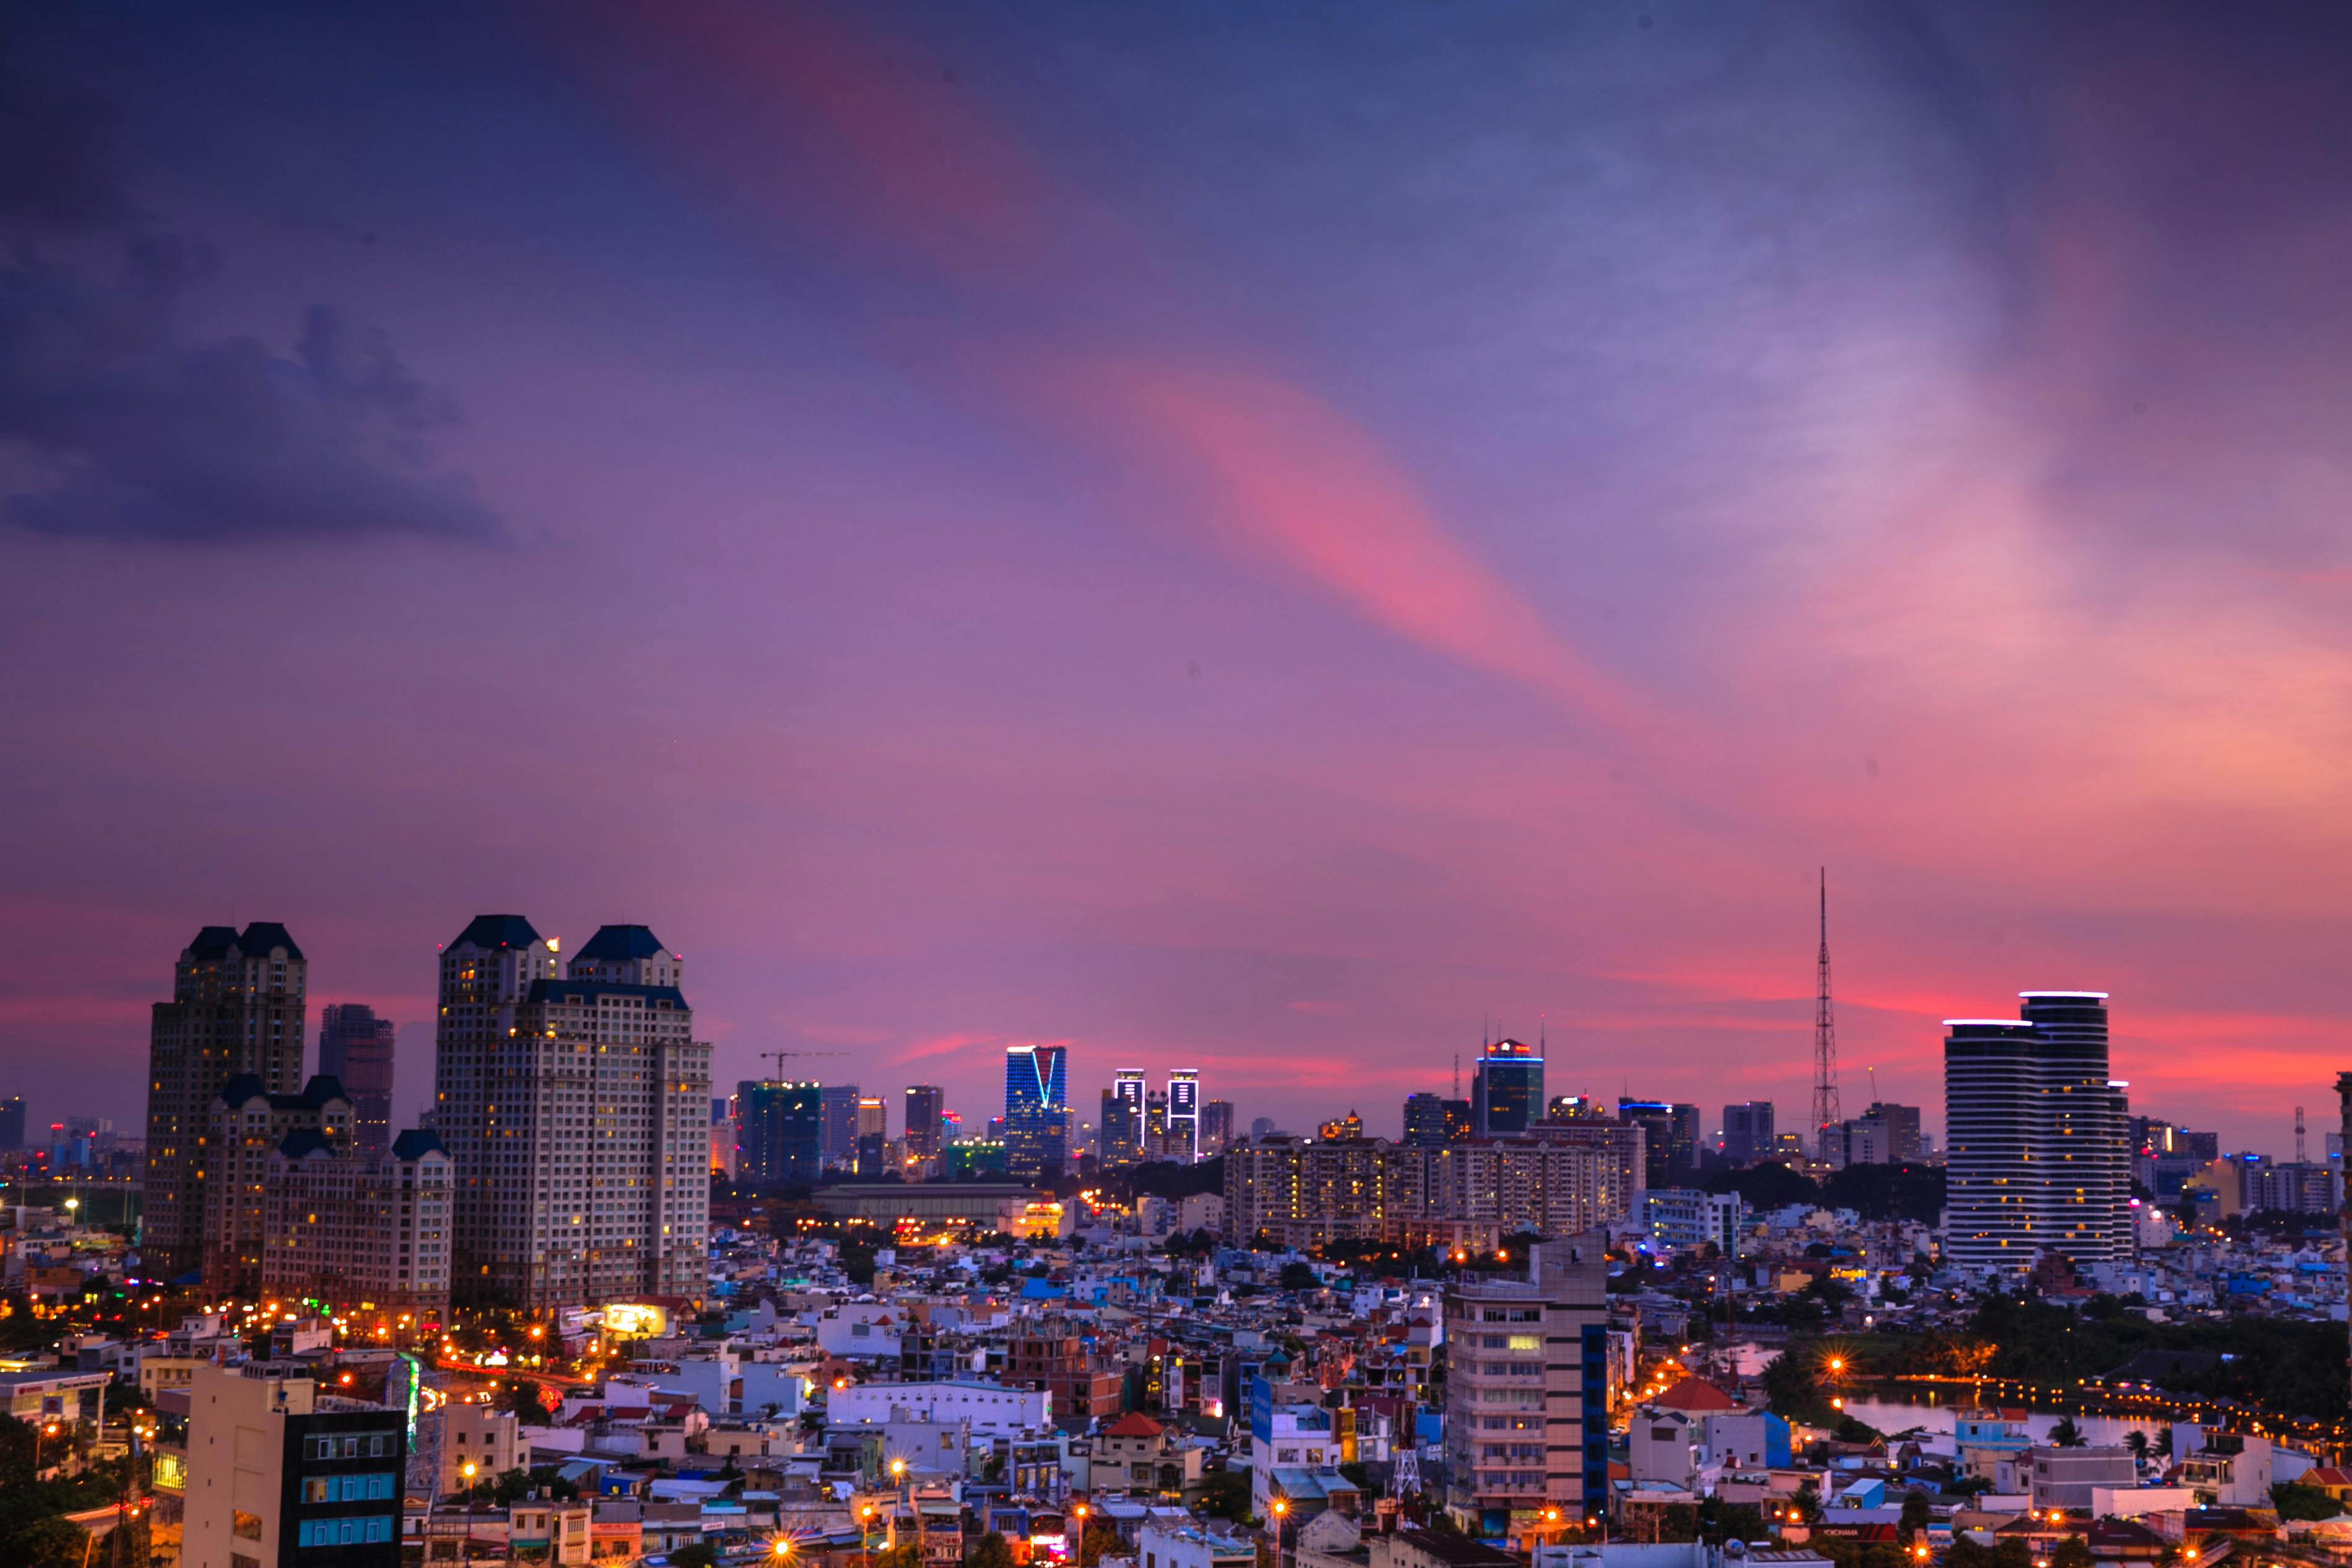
1242	541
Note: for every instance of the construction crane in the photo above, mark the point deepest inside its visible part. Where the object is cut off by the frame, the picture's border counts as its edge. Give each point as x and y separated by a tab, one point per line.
778	1057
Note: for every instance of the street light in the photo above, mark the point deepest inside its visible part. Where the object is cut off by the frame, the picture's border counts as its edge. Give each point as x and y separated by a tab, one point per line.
782	1548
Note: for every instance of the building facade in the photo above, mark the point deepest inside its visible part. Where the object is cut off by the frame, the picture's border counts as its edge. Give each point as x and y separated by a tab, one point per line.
1216	1127
248	1124
1305	1194
357	1227
1527	1395
1182	1143
780	1130
355	1050
237	1007
575	1109
926	1106
1748	1134
2038	1157
280	1475
1507	1096
1036	1111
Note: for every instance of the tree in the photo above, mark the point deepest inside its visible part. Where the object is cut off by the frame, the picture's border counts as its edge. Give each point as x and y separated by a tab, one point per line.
1916	1514
1788	1383
905	1554
1299	1277
2067	1435
2072	1552
2296	1501
2136	1441
1225	1494
2164	1443
991	1551
695	1556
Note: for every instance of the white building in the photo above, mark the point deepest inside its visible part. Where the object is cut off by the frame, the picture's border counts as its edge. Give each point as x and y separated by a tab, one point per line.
577	1110
276	1468
1680	1220
993	1409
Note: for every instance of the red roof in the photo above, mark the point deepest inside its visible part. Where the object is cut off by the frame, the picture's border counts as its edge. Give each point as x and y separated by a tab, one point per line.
1695	1394
1134	1424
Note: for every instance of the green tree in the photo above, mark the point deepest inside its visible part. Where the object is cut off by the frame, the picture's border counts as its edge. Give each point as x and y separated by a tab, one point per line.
1299	1277
991	1551
2296	1501
2067	1434
2072	1552
1790	1386
1916	1514
1225	1494
2136	1441
905	1554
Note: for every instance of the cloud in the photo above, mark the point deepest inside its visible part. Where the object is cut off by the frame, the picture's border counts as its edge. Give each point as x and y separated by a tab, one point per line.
133	431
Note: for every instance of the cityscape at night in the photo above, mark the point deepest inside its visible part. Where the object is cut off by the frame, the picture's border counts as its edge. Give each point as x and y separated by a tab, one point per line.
1508	785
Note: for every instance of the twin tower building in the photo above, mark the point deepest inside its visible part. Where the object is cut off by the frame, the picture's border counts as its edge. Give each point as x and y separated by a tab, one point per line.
566	1160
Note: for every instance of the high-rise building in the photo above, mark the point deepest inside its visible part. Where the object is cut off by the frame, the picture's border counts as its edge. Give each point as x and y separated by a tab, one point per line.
781	1131
1216	1127
873	1135
1123	1116
1155	1125
2037	1158
1884	1135
1183	1144
1748	1134
576	1111
1303	1194
926	1104
1527	1391
248	1124
1670	1138
1507	1096
726	1159
355	1050
12	1123
237	1007
1425	1120
347	1225
837	1138
281	1472
1036	1111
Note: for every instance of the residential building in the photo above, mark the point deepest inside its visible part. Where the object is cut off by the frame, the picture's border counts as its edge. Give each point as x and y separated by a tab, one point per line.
1301	1193
12	1123
873	1137
1527	1400
279	1474
248	1124
461	1433
1216	1127
2065	1477
1294	1449
1882	1135
2037	1159
991	1409
725	1135
1122	1117
1058	1360
237	1007
1748	1132
781	1136
359	1228
1139	1457
1425	1120
1036	1111
926	1106
1506	1095
355	1050
1670	1138
575	1110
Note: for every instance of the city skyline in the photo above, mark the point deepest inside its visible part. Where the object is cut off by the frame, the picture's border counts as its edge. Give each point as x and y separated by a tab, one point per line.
1088	547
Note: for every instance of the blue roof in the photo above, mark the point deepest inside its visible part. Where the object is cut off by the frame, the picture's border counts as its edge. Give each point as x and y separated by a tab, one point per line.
619	944
323	1087
213	942
304	1142
416	1143
262	936
498	931
589	990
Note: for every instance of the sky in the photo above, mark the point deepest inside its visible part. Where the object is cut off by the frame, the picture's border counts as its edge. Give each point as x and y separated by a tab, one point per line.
1272	539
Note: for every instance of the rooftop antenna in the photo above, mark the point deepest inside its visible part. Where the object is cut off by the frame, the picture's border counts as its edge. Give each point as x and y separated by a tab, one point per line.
1826	1114
2298	1135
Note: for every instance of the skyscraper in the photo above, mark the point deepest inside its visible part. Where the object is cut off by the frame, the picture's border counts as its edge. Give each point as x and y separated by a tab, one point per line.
1748	1134
1036	1111
1183	1144
1670	1138
2037	1159
12	1123
780	1133
873	1135
1216	1127
355	1050
237	1007
1425	1120
837	1133
575	1111
926	1103
1507	1096
1122	1117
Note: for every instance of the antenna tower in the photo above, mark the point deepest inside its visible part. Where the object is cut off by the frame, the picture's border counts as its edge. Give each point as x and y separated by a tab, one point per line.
2298	1135
1826	1114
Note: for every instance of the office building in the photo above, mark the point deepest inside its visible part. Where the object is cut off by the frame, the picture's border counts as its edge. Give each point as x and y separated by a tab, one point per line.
1425	1120
1670	1138
281	1474
780	1133
1155	1125
927	1103
1748	1134
1122	1117
873	1135
248	1124
2292	1188
1216	1127
1682	1220
2036	1134
1882	1135
575	1109
350	1225
1507	1096
355	1050
837	1134
12	1123
237	1007
1182	1143
1036	1111
1527	1392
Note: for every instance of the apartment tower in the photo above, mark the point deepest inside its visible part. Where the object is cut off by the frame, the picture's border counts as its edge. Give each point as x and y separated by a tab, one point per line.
355	1051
